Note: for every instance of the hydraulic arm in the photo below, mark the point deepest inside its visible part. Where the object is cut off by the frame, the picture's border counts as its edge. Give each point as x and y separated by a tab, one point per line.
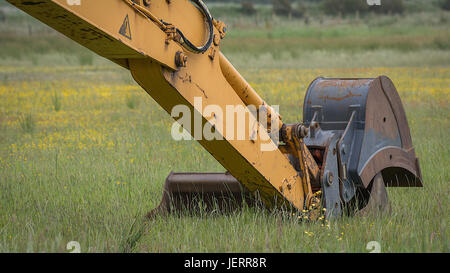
354	130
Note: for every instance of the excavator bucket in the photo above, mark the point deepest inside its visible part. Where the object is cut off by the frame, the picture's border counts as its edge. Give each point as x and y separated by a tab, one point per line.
195	192
360	132
359	138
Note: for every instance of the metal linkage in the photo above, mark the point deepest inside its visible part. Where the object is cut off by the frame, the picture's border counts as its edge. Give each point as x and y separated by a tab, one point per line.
175	33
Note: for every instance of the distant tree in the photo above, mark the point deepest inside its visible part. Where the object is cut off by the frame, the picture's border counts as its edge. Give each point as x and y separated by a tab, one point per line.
285	8
334	7
282	7
2	16
445	4
299	10
344	7
247	7
391	6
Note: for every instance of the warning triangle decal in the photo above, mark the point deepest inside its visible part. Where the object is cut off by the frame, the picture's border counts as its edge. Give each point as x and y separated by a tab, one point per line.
125	28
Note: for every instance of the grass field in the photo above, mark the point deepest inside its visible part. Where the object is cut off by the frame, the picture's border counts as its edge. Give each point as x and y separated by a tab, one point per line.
87	171
84	152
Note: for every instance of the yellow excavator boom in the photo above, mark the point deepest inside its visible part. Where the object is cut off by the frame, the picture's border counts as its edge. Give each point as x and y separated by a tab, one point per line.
172	49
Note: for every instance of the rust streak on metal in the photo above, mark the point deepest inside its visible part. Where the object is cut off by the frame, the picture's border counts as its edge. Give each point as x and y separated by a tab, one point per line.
201	89
188	78
349	95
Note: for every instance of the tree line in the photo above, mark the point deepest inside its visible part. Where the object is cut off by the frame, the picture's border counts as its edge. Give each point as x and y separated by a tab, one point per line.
298	8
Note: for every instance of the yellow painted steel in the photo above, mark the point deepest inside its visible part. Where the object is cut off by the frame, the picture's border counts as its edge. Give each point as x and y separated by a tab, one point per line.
247	94
129	36
96	25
